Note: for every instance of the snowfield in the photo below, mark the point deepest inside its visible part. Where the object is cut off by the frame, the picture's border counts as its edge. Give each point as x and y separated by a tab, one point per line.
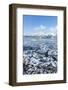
40	55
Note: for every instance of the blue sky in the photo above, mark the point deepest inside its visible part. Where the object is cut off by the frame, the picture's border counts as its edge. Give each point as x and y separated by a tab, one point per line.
39	25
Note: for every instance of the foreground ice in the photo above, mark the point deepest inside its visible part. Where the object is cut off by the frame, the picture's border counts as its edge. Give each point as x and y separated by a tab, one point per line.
40	57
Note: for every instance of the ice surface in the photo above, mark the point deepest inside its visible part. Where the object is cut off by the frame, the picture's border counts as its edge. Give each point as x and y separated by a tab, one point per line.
40	55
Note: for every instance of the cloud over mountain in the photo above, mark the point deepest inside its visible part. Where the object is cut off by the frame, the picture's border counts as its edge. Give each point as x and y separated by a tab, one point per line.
43	30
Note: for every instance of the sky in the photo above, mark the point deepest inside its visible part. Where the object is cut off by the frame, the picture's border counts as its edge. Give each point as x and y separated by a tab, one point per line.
39	25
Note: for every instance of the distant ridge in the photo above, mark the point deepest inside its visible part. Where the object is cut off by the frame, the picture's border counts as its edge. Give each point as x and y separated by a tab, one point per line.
51	35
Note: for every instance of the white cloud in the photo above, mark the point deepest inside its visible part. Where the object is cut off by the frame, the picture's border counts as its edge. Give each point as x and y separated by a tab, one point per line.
41	27
43	30
53	30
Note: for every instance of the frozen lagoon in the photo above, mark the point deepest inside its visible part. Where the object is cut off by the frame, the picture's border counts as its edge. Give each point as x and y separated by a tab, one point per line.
40	55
